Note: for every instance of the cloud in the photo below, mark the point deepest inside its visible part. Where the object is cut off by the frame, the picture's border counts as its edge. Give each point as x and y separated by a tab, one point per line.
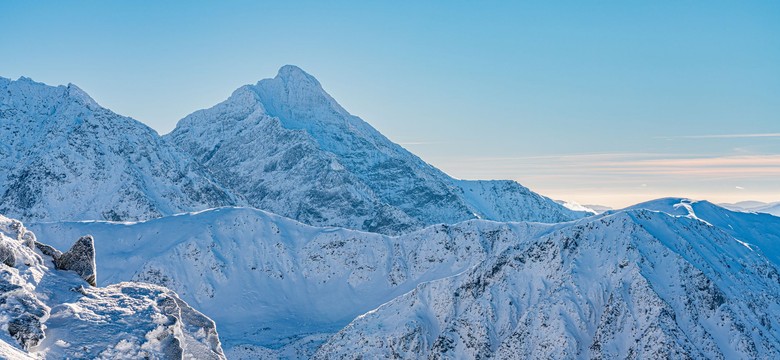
724	136
622	178
726	166
629	164
740	188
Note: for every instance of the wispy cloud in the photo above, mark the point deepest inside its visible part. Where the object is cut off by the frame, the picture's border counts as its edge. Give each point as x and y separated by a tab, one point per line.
624	178
722	136
740	166
629	163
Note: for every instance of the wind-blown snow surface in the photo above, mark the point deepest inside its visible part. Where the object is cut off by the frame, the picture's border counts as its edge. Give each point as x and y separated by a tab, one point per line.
289	148
48	313
66	158
631	283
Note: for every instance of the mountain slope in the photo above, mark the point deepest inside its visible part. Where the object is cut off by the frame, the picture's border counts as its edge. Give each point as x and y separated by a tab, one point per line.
65	157
289	148
280	288
755	206
634	284
268	280
49	313
757	229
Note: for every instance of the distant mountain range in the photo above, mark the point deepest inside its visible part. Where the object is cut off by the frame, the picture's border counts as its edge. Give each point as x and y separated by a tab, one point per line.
755	206
302	232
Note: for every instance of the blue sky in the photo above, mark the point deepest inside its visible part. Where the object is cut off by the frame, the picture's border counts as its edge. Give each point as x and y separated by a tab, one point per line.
608	102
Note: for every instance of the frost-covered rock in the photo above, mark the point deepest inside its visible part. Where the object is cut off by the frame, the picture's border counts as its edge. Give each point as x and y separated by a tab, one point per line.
63	157
80	259
7	256
48	313
289	148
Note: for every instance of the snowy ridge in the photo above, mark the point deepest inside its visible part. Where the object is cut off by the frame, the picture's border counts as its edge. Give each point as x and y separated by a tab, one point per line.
279	288
761	231
268	280
66	158
755	206
48	313
314	162
635	284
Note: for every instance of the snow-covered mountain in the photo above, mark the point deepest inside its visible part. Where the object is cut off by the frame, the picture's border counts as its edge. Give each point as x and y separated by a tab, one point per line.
64	157
670	278
771	208
48	309
628	282
269	281
634	284
289	148
757	229
755	206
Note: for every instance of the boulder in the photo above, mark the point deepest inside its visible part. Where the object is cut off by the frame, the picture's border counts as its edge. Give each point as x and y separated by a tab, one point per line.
80	258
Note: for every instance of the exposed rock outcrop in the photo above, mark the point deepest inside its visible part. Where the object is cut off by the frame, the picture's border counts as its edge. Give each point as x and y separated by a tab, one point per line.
81	259
48	312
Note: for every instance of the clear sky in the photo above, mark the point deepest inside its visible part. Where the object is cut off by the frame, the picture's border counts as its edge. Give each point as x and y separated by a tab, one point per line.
605	102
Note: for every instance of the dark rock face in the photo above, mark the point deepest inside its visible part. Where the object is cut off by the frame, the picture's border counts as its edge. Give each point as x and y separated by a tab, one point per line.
27	330
7	255
48	250
81	259
23	311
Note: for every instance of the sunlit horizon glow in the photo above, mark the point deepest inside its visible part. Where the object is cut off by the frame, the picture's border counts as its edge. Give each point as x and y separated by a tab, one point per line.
620	180
610	103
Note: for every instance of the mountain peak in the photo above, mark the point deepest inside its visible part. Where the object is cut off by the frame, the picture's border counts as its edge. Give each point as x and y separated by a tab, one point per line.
76	93
289	73
27	88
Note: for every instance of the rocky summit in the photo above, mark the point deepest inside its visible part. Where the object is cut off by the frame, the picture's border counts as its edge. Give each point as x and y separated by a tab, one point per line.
288	147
